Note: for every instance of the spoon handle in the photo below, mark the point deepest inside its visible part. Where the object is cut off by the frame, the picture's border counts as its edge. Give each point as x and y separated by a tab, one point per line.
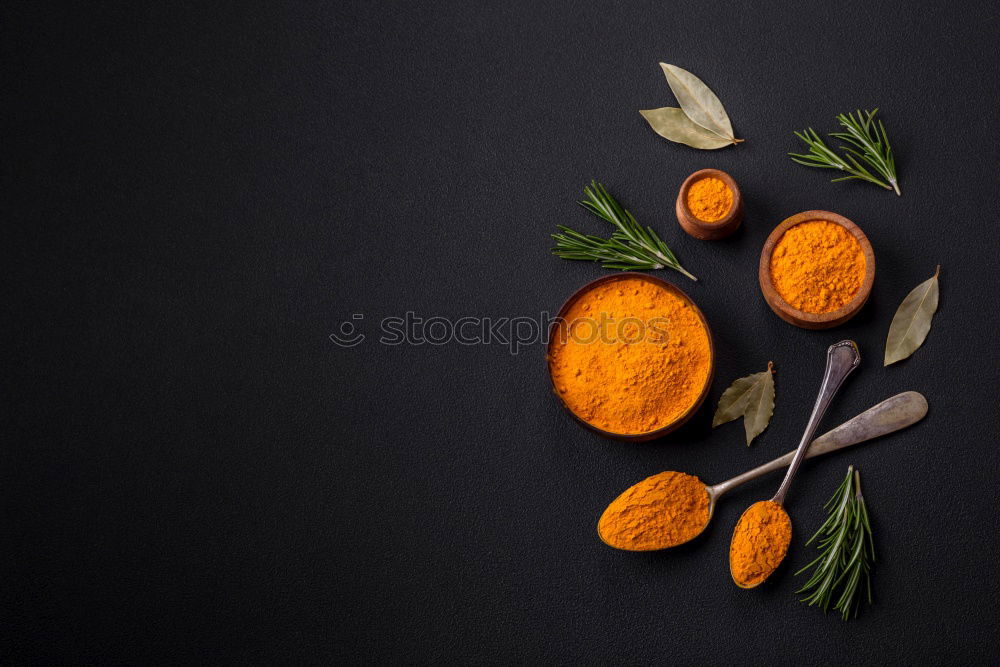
841	359
889	416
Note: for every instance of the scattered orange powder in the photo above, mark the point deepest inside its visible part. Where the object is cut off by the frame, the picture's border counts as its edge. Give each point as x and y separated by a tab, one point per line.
817	266
631	356
659	512
760	543
709	199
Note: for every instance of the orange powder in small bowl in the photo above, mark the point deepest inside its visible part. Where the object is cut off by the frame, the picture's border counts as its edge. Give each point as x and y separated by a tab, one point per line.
709	199
817	266
631	356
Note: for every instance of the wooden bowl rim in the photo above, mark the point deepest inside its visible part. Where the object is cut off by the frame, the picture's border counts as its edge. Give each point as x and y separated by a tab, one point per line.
773	297
734	208
683	417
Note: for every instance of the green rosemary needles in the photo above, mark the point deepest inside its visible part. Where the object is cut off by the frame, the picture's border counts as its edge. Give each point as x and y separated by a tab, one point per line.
631	247
864	143
842	569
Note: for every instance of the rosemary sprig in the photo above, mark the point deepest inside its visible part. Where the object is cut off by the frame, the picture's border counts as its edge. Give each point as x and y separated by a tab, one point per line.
631	247
865	139
847	552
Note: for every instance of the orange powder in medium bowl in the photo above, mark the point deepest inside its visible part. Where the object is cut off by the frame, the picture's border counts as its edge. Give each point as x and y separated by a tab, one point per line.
817	266
630	356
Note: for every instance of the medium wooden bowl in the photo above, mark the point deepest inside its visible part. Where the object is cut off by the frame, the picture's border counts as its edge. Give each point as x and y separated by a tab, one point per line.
663	430
800	318
709	231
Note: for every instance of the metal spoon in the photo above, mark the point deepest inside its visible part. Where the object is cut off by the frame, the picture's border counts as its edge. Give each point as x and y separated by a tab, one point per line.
841	359
892	414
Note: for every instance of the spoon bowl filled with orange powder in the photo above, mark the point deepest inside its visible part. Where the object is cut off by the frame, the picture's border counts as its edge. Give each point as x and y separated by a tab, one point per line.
816	269
630	356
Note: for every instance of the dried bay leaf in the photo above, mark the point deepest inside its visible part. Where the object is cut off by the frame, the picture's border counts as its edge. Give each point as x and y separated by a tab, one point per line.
750	397
760	407
673	124
699	102
733	402
912	320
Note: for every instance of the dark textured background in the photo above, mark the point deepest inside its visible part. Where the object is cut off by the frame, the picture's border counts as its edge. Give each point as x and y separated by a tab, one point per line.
196	197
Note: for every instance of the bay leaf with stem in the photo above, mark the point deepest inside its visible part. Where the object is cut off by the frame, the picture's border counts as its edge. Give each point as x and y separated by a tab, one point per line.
673	124
912	321
699	102
750	397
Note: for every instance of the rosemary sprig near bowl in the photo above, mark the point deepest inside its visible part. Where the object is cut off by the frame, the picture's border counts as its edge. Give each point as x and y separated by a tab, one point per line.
847	552
864	140
631	247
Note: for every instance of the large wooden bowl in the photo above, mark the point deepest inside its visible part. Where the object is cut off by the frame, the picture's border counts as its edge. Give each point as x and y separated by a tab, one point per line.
801	318
680	420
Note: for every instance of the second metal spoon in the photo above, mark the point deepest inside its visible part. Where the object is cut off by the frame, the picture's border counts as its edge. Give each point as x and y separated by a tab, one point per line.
763	517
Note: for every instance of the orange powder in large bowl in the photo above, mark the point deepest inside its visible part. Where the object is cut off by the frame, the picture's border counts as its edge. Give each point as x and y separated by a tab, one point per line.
632	355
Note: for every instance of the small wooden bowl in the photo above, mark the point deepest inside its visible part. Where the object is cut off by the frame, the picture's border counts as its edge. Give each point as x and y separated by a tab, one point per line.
663	430
800	318
709	231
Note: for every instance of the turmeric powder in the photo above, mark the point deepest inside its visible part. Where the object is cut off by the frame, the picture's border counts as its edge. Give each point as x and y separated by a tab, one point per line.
760	543
817	266
709	199
630	356
659	512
